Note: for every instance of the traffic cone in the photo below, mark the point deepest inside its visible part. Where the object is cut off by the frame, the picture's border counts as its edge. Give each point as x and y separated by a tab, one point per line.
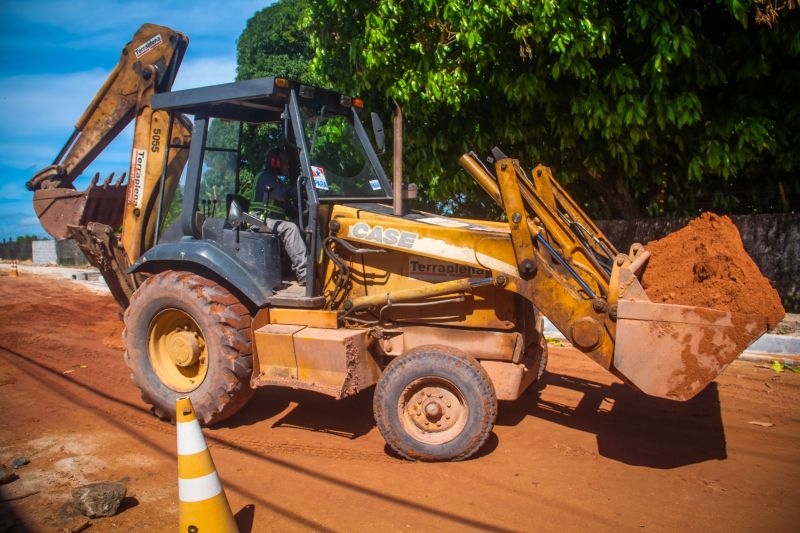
203	506
14	271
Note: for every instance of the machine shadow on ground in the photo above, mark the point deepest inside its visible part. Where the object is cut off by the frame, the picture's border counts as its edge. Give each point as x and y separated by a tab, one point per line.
631	427
349	417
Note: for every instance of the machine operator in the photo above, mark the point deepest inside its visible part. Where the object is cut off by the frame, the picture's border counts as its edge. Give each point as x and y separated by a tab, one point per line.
271	201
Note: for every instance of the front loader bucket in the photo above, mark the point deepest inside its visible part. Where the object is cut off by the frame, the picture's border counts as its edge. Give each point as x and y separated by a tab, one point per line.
62	207
674	351
667	350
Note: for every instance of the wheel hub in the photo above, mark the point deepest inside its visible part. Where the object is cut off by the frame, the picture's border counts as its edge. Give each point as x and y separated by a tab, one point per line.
433	410
184	348
177	350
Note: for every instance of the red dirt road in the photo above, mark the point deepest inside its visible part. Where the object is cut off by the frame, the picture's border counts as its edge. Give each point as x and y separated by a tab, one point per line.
578	452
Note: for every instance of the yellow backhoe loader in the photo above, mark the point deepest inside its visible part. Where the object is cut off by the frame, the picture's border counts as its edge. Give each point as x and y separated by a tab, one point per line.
442	315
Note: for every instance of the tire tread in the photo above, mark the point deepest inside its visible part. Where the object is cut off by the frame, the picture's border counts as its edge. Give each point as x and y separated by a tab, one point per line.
229	393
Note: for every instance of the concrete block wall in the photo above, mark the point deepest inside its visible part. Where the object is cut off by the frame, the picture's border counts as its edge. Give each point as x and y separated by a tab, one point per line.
44	253
61	252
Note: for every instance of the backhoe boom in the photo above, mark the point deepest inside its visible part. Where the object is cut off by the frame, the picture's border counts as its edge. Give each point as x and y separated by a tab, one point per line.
148	64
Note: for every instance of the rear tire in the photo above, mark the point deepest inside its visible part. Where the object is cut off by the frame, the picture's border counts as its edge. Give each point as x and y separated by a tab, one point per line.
187	335
537	353
435	404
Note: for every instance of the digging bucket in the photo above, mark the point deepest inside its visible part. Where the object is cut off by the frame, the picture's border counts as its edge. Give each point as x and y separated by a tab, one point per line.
62	207
674	351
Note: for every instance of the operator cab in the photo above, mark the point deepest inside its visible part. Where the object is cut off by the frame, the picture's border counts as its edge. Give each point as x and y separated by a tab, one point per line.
329	159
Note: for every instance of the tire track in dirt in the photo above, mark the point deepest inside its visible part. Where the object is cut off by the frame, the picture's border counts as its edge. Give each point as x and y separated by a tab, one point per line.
126	418
139	417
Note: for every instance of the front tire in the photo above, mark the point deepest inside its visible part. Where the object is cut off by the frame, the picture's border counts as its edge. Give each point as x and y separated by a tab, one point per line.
435	404
187	335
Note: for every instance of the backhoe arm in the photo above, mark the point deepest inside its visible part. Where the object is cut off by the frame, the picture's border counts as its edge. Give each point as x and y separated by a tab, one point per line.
153	50
148	64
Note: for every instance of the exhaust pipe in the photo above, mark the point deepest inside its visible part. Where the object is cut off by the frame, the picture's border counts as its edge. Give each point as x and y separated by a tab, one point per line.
397	161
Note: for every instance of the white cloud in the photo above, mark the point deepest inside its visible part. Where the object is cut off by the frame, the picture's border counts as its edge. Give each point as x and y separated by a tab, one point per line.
205	71
39	103
48	105
32	154
29	156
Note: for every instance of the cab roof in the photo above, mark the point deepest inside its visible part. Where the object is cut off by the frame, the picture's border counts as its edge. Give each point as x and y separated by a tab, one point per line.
258	100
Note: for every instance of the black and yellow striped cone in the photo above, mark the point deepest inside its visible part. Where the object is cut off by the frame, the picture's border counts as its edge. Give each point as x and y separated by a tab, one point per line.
203	506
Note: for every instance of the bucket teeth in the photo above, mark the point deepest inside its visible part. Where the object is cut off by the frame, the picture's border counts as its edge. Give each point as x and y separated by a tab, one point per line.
108	180
121	179
95	179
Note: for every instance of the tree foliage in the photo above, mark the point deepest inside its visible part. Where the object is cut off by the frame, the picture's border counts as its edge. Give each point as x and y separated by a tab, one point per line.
271	44
643	106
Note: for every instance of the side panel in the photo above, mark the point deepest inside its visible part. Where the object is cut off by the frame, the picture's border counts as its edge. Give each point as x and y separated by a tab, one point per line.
486	307
255	283
398	268
480	344
335	362
274	353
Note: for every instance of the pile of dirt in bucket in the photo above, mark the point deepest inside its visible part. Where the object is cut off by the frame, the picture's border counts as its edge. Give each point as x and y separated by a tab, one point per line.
705	264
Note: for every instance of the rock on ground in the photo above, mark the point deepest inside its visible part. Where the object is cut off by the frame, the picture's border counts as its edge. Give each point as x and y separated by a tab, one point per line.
99	499
19	462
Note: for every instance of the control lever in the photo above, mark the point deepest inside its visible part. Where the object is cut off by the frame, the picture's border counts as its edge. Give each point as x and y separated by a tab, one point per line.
236	217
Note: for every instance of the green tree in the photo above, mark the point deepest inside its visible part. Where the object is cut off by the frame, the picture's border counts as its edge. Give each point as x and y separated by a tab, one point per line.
640	106
271	44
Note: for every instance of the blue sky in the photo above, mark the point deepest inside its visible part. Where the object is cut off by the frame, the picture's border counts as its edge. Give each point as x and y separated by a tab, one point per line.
54	55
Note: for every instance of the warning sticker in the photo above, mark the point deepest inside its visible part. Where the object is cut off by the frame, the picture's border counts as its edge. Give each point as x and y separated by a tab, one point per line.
136	181
318	175
434	270
375	184
149	45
